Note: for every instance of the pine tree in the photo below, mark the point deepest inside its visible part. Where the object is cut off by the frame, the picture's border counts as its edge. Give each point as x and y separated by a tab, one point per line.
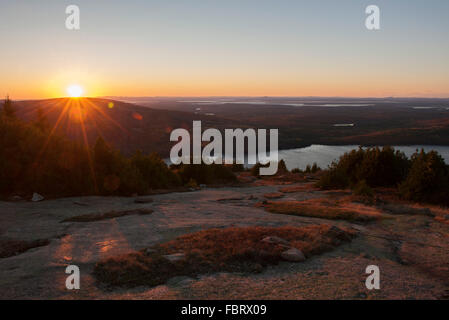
42	121
8	109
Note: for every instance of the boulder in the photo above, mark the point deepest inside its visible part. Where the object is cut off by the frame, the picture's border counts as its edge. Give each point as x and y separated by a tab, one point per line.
37	197
293	255
175	257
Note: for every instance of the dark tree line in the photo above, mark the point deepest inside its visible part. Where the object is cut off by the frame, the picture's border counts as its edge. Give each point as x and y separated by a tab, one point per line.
424	177
34	160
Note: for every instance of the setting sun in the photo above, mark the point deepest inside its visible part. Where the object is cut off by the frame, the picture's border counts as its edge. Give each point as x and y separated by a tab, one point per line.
75	91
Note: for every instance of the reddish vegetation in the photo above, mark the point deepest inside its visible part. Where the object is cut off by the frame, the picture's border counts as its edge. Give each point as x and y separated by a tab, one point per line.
434	123
274	195
443	219
246	177
300	188
323	208
216	250
286	178
269	182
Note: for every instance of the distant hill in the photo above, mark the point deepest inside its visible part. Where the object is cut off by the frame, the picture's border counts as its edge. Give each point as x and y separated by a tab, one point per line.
146	124
126	126
304	121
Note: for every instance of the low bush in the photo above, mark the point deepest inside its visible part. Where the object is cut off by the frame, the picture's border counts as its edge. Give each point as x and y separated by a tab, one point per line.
205	174
362	189
378	167
423	178
312	169
427	180
282	168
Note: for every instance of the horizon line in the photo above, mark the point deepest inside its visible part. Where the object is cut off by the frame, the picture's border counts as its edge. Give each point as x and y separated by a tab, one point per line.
231	96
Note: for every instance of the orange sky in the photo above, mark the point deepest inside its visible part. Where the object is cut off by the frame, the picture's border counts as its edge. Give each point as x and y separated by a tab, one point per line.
225	48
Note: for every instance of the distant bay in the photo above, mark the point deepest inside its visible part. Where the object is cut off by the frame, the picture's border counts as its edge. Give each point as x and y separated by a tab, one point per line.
324	155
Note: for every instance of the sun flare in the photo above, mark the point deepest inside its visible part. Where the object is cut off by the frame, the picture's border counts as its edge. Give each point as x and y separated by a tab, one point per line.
75	91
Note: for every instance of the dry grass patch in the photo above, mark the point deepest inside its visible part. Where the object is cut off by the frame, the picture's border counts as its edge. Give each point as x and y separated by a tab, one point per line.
301	188
274	195
107	215
216	250
443	219
264	182
9	248
325	209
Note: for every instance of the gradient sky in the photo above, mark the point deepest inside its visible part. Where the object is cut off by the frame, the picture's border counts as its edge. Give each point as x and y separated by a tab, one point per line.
225	47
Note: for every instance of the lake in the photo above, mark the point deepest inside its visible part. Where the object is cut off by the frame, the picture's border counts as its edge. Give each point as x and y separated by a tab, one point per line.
324	155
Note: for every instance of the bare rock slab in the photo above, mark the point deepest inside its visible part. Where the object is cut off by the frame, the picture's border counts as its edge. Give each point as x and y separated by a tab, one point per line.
293	255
